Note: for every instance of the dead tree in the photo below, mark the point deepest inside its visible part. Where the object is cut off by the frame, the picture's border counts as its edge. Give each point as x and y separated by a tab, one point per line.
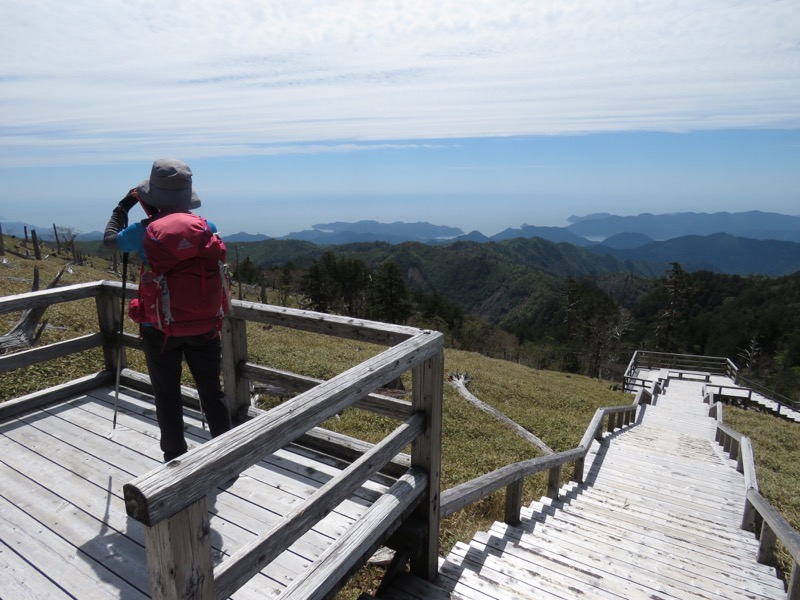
37	249
27	331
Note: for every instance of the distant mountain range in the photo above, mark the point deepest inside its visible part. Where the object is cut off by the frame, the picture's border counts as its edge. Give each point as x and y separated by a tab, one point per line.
734	243
583	231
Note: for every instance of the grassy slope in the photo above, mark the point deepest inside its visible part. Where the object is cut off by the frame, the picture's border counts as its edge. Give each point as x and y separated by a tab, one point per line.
776	444
555	406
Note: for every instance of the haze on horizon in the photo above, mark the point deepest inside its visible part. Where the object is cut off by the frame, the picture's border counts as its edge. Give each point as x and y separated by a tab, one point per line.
474	114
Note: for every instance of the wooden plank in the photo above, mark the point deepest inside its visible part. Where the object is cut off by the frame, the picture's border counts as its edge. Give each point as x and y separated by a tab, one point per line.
669	568
339	326
665	563
252	558
49	296
593	572
291	383
53	394
605	497
18	578
466	493
349	449
36	563
721	544
352	549
646	543
25	358
476	575
88	535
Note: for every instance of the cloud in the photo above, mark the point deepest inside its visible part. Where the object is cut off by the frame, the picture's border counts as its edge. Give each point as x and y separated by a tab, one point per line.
86	81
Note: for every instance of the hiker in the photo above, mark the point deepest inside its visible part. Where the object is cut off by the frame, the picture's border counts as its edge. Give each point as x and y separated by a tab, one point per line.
168	334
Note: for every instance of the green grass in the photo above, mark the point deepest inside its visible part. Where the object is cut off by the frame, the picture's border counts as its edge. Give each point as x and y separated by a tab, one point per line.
556	407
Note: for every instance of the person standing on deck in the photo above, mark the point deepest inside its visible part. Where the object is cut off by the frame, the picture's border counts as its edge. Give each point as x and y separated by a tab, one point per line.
167	192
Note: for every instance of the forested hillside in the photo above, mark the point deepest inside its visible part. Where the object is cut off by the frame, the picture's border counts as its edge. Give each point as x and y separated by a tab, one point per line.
543	304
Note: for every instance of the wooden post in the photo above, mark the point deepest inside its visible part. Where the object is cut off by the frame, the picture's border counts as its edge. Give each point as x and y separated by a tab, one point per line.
37	251
108	315
598	434
766	545
426	453
58	244
513	502
793	589
2	242
577	475
25	229
234	356
734	451
554	482
179	555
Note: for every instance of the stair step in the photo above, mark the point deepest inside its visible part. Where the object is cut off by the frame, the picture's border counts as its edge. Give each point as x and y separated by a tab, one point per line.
608	498
669	565
606	535
518	579
622	523
666	512
595	572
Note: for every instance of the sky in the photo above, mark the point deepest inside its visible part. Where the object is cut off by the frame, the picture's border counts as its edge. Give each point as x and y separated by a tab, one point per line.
477	114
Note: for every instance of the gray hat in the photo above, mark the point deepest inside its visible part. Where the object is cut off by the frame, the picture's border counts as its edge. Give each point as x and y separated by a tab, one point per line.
170	186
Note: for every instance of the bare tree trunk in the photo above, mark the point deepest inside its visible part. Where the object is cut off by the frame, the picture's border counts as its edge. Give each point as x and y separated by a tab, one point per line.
459	381
37	251
25	333
58	244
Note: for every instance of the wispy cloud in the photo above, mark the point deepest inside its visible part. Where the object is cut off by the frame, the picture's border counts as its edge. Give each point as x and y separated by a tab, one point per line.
125	80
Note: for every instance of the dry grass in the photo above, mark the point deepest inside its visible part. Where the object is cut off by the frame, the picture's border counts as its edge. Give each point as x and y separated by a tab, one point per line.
776	444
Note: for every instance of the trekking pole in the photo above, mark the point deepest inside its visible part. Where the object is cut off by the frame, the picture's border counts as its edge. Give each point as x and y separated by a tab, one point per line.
121	330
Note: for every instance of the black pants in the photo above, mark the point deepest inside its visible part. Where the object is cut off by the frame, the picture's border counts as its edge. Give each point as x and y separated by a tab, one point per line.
164	362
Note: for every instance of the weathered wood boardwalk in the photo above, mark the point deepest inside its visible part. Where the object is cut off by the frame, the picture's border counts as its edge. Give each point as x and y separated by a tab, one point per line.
658	517
64	531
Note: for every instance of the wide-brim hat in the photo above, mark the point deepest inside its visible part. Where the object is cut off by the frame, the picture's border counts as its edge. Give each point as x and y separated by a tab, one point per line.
169	188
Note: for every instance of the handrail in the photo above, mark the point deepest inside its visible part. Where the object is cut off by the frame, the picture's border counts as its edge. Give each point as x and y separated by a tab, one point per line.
773	525
512	476
175	493
771	394
169	488
666	360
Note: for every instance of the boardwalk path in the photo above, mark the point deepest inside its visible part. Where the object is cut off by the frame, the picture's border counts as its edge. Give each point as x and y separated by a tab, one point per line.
658	517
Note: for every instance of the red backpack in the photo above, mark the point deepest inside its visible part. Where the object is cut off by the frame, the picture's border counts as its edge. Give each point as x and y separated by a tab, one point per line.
184	289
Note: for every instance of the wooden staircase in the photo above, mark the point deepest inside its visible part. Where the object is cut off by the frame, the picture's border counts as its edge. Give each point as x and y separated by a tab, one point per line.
658	517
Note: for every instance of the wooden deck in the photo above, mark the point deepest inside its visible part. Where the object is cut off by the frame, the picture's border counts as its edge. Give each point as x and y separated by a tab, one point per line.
658	517
64	531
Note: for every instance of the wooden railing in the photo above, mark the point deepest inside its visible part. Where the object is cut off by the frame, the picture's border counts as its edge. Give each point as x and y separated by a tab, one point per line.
512	477
758	514
768	393
684	362
170	501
